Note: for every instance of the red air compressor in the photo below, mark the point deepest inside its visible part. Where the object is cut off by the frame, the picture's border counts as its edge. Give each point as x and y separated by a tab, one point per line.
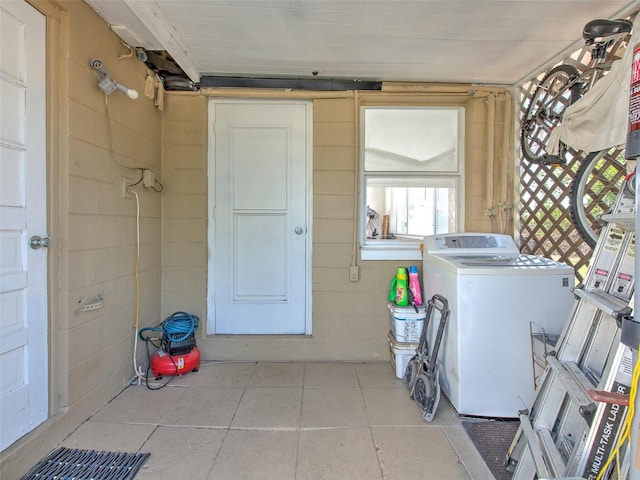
162	363
177	352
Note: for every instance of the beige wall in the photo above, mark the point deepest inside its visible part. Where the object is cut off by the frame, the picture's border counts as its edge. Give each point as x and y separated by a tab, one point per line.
93	228
350	319
91	145
184	205
106	140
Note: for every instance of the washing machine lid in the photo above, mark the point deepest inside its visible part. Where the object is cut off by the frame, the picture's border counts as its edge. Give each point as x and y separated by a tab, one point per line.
471	244
499	265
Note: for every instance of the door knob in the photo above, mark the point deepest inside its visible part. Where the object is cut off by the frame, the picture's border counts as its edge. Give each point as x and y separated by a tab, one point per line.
37	242
299	230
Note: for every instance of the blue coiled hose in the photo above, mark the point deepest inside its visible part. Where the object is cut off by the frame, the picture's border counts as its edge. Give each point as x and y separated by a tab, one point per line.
177	327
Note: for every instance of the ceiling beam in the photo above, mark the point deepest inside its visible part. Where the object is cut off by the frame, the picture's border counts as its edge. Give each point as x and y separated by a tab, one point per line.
154	18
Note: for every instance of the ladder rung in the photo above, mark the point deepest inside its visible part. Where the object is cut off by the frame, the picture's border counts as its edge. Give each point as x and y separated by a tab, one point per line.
574	382
580	378
609	304
534	446
551	453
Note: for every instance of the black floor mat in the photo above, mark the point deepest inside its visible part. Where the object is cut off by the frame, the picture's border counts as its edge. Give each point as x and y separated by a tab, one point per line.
492	439
87	465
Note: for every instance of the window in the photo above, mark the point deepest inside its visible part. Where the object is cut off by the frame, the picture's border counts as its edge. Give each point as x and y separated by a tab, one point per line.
411	178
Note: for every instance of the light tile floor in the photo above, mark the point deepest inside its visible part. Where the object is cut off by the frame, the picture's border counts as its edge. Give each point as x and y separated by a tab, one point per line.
234	421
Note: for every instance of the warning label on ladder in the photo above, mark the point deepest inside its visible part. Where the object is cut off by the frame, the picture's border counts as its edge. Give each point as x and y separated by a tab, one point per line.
610	417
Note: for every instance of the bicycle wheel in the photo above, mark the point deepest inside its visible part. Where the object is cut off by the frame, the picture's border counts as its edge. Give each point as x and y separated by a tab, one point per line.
545	110
594	191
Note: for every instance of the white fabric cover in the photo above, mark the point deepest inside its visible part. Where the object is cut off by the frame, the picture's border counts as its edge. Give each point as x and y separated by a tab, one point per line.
599	120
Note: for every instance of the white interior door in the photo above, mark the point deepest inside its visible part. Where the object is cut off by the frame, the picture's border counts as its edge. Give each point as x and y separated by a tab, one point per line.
23	270
259	210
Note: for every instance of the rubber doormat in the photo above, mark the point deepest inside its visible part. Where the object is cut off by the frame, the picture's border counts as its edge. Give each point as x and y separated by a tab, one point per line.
492	439
66	463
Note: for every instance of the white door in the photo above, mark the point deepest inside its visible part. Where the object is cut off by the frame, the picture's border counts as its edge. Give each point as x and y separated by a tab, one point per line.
23	270
259	234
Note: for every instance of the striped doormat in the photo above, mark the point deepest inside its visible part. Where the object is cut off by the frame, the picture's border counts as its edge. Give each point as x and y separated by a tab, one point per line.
87	465
492	439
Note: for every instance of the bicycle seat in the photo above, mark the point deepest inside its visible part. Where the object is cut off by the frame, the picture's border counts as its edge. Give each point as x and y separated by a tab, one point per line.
601	28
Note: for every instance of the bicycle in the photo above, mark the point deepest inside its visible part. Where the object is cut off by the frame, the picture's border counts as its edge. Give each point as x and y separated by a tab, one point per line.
562	86
594	190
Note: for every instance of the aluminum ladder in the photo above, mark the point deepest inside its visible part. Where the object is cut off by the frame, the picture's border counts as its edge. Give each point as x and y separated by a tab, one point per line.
565	432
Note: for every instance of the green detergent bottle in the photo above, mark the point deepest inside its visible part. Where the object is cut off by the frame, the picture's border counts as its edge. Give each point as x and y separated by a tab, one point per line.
392	290
402	297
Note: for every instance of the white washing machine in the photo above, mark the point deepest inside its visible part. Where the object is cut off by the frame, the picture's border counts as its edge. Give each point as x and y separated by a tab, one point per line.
496	295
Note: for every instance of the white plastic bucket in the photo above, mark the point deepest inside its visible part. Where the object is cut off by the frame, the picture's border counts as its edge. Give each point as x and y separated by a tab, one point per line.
406	324
401	353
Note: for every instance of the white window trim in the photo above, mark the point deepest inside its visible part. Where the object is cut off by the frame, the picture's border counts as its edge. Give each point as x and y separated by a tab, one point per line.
404	249
410	251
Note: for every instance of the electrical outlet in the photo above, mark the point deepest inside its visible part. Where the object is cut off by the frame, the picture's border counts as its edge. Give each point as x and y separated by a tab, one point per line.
354	274
125	184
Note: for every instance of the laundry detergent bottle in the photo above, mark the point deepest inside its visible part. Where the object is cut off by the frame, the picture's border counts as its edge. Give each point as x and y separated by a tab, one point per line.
402	297
392	290
414	285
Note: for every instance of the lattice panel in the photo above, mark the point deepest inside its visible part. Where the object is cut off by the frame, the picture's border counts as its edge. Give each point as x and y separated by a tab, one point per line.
546	226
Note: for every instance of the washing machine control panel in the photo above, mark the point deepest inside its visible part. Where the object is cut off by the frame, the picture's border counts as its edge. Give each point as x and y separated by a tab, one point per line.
458	244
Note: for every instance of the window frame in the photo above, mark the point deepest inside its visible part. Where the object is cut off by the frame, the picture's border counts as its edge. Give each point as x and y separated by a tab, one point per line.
406	248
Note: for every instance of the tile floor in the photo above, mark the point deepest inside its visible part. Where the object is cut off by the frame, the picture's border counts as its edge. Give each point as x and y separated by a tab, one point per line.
283	421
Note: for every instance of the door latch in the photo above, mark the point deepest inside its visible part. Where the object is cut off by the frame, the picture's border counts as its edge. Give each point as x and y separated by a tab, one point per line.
37	242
